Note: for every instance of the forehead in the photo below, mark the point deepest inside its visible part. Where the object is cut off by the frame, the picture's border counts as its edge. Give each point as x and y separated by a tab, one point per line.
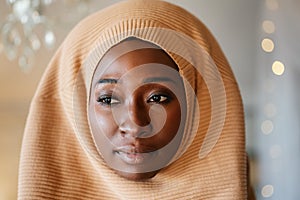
131	54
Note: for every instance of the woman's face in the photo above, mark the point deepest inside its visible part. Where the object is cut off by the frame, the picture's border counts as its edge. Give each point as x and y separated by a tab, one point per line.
137	109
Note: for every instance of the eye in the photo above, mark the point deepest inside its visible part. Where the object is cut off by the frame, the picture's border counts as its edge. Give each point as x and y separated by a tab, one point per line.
158	98
107	100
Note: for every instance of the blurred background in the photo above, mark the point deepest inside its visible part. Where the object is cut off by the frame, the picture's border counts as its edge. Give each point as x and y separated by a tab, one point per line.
261	39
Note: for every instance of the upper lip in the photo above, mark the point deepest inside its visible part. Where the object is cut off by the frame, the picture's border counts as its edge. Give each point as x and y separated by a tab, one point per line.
133	149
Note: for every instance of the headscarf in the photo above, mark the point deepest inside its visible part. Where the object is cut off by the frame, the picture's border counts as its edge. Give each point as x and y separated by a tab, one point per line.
59	158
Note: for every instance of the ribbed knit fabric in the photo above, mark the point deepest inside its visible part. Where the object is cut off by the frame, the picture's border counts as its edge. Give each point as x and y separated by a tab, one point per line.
59	159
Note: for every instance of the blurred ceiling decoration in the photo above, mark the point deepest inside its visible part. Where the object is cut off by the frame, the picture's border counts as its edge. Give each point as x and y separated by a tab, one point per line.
27	28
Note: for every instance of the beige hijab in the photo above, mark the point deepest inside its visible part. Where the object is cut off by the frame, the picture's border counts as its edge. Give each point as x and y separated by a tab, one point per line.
59	159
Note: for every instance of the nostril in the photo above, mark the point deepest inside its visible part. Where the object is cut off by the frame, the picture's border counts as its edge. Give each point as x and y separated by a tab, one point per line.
128	128
123	133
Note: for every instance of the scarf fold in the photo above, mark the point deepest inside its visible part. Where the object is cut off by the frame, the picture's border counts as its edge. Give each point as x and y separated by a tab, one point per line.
59	159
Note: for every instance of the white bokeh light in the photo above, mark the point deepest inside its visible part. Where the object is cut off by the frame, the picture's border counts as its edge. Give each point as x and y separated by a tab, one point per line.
267	45
278	68
267	127
267	191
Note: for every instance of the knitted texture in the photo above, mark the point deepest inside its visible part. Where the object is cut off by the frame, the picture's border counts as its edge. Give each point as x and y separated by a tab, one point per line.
59	159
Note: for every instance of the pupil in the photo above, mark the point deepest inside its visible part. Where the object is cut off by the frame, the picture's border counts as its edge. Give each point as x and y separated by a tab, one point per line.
156	98
107	100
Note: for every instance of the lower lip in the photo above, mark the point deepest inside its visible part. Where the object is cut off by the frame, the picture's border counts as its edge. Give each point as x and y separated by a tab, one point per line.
134	158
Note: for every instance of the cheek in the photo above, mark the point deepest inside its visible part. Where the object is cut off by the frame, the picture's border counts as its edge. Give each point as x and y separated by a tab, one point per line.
172	124
174	118
102	122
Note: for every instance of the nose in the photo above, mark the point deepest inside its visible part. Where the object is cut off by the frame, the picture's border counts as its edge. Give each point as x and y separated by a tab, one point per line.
134	119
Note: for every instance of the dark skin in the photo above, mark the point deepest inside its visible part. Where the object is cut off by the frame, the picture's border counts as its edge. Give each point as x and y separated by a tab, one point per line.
137	109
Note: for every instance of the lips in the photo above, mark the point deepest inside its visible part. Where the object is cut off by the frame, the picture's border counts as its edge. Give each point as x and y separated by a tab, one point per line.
133	155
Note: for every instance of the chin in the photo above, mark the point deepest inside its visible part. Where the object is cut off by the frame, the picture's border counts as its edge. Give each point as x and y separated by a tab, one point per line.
137	176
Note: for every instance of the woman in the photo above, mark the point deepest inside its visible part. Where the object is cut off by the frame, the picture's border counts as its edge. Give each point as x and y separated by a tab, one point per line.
139	102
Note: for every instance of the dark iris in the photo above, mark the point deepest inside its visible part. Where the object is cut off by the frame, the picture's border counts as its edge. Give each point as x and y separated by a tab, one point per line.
158	99
104	100
108	100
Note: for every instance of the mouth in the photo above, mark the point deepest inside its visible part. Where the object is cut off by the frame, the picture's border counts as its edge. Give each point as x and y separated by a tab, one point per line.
134	156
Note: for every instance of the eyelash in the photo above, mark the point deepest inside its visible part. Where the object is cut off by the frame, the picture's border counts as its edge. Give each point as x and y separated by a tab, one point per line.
108	100
161	99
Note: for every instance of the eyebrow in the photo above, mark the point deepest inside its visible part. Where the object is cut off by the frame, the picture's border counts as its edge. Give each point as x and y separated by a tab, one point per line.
158	79
108	80
146	80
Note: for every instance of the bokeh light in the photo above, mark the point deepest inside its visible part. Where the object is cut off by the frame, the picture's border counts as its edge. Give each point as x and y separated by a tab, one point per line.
267	191
267	45
272	5
278	68
268	26
267	127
